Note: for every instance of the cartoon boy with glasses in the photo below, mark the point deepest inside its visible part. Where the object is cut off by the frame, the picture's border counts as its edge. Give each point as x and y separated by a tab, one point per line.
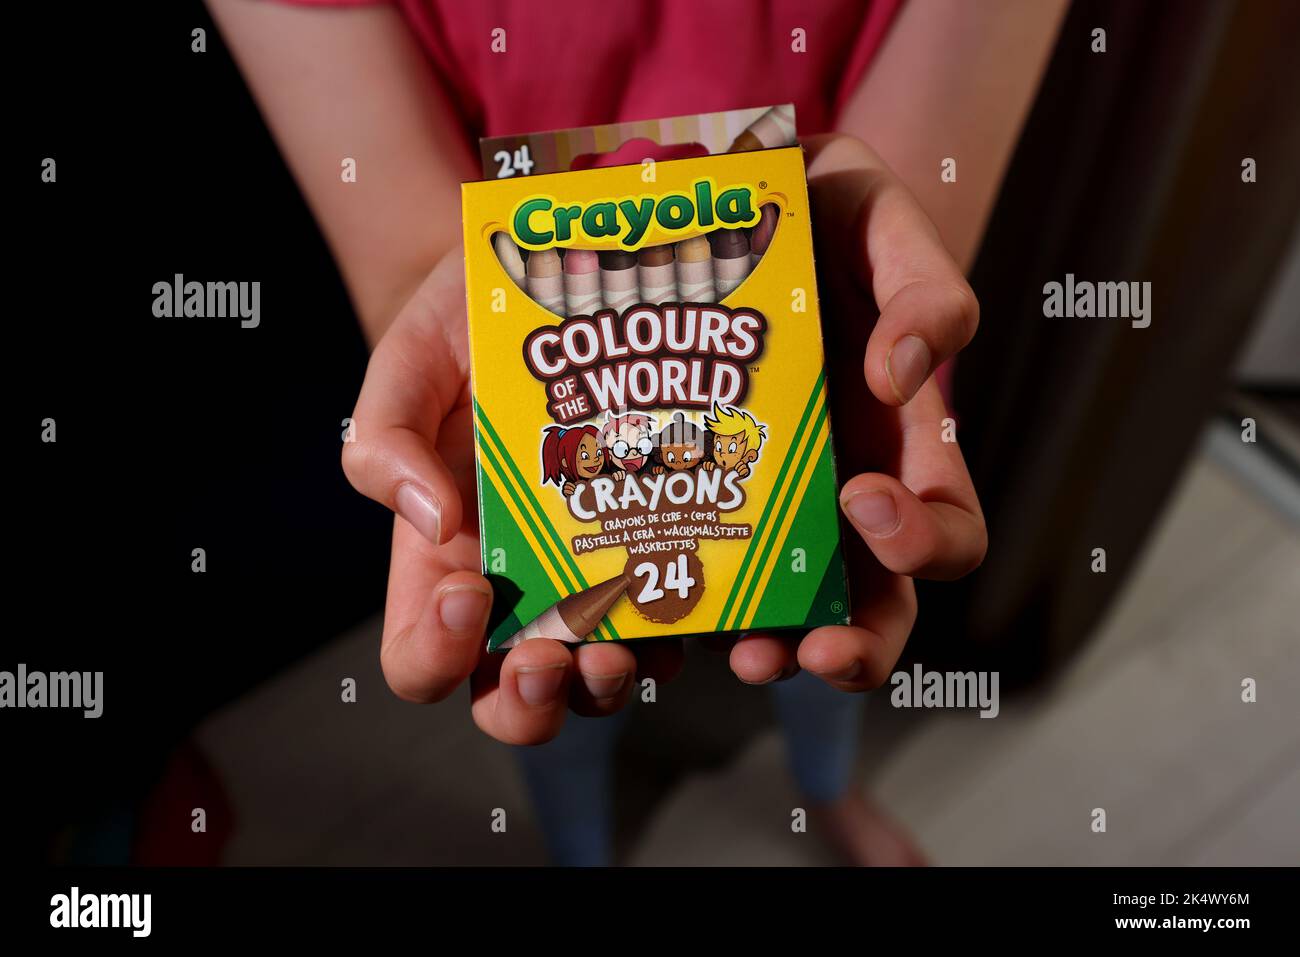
627	440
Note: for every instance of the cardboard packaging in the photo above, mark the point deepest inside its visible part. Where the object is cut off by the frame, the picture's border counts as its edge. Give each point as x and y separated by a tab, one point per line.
654	452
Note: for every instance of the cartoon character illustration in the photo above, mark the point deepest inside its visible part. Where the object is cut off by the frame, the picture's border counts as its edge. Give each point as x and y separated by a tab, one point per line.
571	455
735	437
627	440
680	446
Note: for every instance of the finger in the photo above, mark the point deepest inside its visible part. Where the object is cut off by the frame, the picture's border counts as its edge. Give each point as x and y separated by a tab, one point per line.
412	383
760	658
921	325
523	698
605	677
434	619
926	523
928	312
911	537
860	656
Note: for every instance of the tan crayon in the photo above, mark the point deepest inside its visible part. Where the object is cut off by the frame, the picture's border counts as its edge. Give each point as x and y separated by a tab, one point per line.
730	259
581	282
774	128
763	234
695	271
618	279
512	261
657	273
545	282
573	618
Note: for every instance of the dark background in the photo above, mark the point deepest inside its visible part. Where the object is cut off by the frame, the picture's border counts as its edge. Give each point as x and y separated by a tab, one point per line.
172	435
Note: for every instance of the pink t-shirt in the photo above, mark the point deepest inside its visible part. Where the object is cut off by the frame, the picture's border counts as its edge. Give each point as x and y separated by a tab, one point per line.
582	62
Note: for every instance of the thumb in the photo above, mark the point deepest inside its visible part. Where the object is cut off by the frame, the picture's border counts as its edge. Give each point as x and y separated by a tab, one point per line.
411	385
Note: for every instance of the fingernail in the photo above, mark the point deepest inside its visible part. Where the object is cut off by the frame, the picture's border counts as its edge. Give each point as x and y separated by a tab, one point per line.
766	681
463	609
601	687
874	512
908	366
539	685
419	509
848	674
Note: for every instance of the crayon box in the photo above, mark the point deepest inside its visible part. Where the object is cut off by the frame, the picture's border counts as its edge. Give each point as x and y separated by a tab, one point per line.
653	446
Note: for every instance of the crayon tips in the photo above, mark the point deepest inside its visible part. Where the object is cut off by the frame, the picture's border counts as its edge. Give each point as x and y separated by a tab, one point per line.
618	279
545	284
763	233
582	282
730	259
774	128
655	256
657	272
512	261
578	262
573	618
695	271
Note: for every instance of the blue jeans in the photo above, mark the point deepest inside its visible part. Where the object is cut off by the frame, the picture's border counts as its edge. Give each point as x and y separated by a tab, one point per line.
570	779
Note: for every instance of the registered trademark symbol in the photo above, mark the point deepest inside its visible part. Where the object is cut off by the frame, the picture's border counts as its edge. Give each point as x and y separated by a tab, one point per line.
762	184
837	607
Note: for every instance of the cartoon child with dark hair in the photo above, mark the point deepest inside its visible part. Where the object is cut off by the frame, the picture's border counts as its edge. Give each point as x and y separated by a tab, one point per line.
571	455
627	440
735	437
680	446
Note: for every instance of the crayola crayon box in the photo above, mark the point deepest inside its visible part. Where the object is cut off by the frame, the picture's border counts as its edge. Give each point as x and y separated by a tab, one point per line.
650	416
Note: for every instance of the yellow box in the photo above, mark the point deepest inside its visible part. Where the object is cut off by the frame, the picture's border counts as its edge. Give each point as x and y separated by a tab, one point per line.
661	529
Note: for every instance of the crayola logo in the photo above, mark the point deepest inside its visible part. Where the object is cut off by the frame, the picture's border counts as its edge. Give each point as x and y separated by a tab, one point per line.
541	222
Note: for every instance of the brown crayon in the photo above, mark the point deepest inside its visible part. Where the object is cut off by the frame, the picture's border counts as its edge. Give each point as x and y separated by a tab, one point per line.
763	233
730	259
618	280
657	274
573	618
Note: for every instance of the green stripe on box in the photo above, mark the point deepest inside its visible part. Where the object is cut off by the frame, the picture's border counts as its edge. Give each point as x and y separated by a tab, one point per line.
817	595
786	501
779	489
557	550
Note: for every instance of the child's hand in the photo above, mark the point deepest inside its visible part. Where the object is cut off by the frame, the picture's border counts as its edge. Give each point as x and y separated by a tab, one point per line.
414	453
908	495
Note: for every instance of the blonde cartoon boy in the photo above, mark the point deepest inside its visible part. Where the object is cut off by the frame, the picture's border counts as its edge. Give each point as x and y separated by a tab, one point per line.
735	437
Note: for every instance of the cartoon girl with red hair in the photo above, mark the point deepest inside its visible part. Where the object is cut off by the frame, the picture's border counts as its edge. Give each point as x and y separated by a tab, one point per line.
570	456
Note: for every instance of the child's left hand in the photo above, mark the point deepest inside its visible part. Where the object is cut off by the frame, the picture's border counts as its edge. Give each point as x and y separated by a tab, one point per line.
908	496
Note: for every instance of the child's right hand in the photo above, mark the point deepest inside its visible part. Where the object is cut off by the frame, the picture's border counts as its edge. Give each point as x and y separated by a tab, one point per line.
414	453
